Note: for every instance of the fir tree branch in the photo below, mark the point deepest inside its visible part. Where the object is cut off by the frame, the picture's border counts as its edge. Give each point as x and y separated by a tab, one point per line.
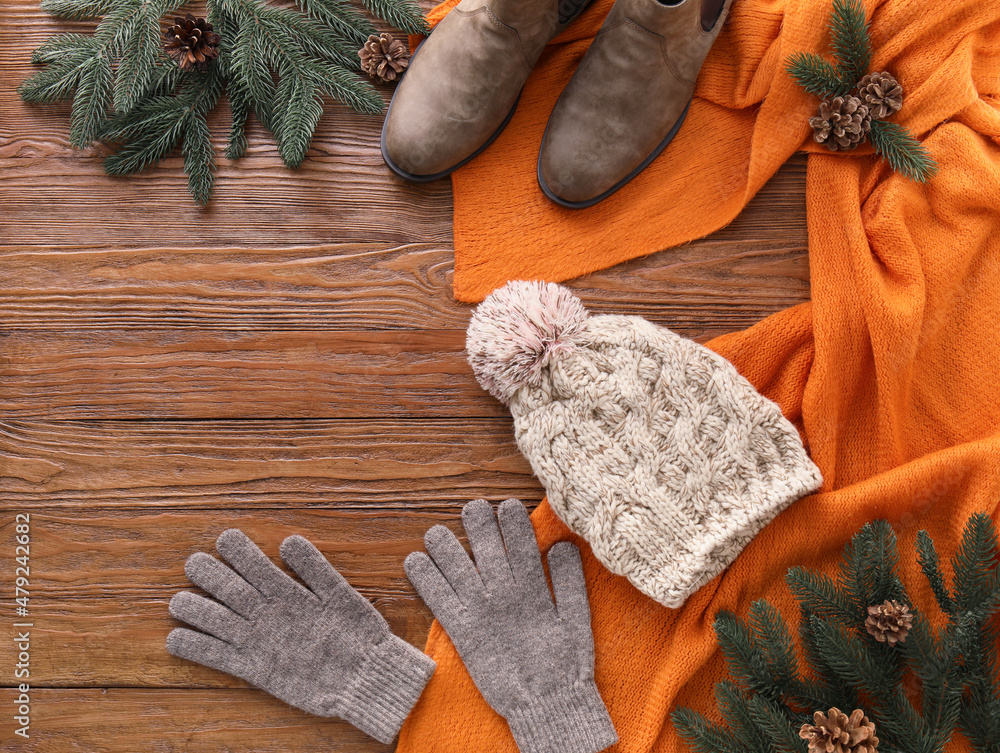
91	101
348	89
148	134
868	567
275	39
733	704
816	75
199	157
278	62
298	109
341	18
979	717
976	576
930	564
155	129
403	14
771	635
703	735
77	10
958	667
746	663
849	38
904	153
978	634
69	58
92	77
855	663
314	39
135	41
818	594
780	726
849	658
56	50
239	100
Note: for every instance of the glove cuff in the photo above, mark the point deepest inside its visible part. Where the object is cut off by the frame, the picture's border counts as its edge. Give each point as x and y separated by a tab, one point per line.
385	688
574	721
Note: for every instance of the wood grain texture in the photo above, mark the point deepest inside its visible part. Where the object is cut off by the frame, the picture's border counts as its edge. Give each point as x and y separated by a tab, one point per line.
288	360
127	720
101	581
717	284
110	641
171	373
365	464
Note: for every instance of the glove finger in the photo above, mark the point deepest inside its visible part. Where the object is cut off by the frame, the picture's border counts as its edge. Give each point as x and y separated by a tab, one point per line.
570	589
308	562
203	649
487	546
522	548
225	585
208	616
250	562
433	588
454	564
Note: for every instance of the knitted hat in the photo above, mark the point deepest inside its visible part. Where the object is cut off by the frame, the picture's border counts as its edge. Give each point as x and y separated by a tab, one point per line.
650	446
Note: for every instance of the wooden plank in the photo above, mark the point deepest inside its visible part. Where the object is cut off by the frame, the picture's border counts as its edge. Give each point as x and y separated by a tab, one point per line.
722	282
259	464
100	581
343	198
185	373
123	720
112	641
172	373
77	554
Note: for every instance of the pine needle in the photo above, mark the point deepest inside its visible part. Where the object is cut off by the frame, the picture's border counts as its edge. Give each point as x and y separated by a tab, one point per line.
199	157
927	557
403	14
902	151
78	10
852	47
816	75
703	735
69	58
92	100
342	20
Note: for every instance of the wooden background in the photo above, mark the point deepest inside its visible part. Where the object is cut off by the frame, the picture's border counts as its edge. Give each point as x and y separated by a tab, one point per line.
287	361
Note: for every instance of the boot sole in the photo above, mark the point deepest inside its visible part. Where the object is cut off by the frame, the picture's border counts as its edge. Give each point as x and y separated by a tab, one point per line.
642	166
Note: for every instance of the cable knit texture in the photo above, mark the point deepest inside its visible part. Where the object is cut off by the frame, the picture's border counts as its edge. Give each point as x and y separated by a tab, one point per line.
650	446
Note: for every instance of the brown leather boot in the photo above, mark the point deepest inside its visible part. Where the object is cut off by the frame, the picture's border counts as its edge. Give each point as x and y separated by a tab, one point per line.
464	80
628	97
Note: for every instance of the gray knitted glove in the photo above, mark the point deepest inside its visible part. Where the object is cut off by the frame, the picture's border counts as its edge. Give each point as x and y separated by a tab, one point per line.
323	649
532	660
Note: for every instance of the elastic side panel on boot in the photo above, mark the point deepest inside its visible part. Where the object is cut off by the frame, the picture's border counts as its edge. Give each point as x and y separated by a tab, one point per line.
710	11
568	9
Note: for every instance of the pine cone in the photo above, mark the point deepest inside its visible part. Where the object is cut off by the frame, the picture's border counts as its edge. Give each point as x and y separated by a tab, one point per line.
837	733
889	622
842	123
191	43
384	57
882	93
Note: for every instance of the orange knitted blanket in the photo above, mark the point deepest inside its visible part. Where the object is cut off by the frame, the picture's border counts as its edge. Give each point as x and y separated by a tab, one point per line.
891	372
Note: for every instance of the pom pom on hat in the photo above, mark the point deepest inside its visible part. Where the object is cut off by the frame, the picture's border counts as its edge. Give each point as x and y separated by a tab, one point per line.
517	331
